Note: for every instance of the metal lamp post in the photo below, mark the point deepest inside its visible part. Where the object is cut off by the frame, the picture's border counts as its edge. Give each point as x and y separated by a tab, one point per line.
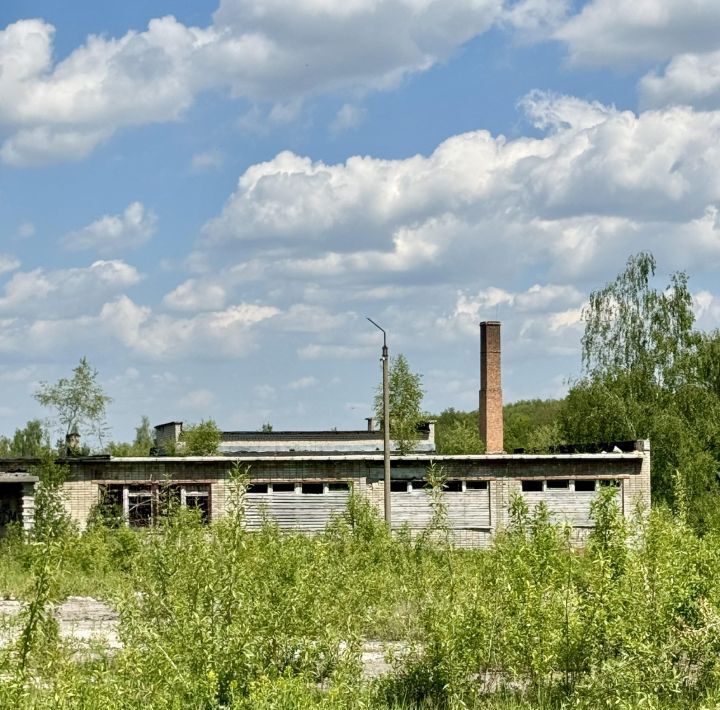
386	423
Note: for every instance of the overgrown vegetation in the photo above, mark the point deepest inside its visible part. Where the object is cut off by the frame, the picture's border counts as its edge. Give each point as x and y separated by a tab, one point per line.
202	439
223	618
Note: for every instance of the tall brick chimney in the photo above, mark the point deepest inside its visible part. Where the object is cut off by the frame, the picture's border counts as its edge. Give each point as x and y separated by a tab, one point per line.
491	404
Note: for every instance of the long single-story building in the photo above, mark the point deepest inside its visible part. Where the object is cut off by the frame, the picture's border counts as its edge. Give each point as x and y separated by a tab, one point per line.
301	479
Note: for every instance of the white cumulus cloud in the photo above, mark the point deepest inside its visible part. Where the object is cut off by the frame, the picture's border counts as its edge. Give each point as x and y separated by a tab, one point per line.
193	295
65	292
599	183
280	51
607	32
114	233
689	79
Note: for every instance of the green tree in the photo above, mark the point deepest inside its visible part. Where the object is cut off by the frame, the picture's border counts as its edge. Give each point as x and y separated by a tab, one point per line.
143	442
632	327
406	394
144	437
457	433
32	441
523	418
648	374
200	439
79	402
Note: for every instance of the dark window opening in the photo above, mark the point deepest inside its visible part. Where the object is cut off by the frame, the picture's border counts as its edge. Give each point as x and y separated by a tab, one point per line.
11	495
283	487
257	488
140	507
312	488
532	486
610	482
169	499
338	487
557	485
110	506
476	485
419	485
585	485
195	500
398	486
453	486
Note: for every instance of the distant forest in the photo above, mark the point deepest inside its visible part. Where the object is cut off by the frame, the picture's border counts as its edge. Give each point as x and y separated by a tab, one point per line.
533	425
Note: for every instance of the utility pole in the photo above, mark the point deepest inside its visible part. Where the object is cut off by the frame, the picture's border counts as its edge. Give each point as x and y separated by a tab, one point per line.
386	424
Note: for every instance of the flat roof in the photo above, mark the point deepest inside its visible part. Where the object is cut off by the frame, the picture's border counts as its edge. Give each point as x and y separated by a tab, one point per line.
325	456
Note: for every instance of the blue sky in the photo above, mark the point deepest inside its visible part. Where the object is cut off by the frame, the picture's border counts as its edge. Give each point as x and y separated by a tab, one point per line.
206	201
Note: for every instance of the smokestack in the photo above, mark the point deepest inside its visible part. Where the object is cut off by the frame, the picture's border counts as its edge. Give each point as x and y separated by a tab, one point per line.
491	404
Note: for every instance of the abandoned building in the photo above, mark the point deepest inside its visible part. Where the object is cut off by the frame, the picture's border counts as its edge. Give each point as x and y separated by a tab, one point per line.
301	480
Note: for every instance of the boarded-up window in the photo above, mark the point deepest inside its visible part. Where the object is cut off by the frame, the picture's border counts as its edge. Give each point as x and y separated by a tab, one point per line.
465	511
532	486
309	512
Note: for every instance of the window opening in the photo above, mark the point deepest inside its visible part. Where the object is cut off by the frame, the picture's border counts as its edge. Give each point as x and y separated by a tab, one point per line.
532	486
398	486
610	482
257	488
198	499
557	485
312	488
419	485
283	487
338	487
140	506
453	486
583	485
169	498
476	485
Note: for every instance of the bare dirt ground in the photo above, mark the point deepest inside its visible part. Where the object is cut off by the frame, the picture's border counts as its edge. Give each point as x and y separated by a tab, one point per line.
87	620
